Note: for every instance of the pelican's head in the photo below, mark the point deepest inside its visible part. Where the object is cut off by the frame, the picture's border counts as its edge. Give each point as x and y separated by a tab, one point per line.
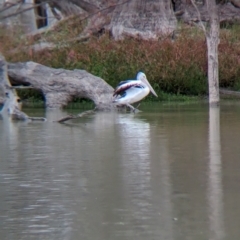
142	77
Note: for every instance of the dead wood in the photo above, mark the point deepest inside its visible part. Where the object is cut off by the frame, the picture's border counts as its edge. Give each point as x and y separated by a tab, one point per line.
227	13
126	20
235	3
229	93
80	115
61	86
11	102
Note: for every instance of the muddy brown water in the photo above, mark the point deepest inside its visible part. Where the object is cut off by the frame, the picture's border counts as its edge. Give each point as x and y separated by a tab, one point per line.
169	172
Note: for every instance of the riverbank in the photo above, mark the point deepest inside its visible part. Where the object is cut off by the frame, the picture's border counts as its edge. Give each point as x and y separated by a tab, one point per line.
34	99
176	69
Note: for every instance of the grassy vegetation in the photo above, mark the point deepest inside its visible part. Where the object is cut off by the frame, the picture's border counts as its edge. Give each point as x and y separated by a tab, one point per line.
177	69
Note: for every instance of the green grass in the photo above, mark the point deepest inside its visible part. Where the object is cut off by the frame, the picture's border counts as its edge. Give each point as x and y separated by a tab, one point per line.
37	101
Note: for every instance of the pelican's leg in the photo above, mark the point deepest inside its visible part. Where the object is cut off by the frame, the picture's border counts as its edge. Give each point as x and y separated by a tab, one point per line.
138	105
133	108
130	106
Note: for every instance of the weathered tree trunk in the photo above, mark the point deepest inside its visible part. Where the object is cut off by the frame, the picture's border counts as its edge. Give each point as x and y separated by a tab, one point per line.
11	105
146	19
17	13
28	18
60	86
212	38
212	46
215	176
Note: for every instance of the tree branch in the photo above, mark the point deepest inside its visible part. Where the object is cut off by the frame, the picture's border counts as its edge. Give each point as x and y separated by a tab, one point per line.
199	17
20	11
80	115
10	6
88	7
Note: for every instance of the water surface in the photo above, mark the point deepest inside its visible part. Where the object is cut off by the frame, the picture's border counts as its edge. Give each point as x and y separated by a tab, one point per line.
169	172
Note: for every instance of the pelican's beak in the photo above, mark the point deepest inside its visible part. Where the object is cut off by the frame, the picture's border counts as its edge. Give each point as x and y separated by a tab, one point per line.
150	87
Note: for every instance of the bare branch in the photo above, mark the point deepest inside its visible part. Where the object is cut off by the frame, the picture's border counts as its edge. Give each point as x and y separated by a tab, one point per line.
80	115
54	12
88	7
10	6
199	17
104	9
37	119
21	87
20	11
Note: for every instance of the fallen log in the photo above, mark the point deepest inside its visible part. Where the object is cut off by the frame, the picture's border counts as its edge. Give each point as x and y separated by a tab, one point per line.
61	86
229	93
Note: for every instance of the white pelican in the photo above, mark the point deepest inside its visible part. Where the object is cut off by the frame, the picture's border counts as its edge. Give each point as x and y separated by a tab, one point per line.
131	91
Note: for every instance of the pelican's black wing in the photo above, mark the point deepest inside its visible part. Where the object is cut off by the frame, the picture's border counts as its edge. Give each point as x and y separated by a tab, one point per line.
124	85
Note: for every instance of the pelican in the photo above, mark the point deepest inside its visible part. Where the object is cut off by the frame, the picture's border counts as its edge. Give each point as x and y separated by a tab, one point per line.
131	91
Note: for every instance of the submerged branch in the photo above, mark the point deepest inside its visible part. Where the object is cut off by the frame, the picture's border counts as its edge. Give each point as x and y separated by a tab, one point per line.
80	115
